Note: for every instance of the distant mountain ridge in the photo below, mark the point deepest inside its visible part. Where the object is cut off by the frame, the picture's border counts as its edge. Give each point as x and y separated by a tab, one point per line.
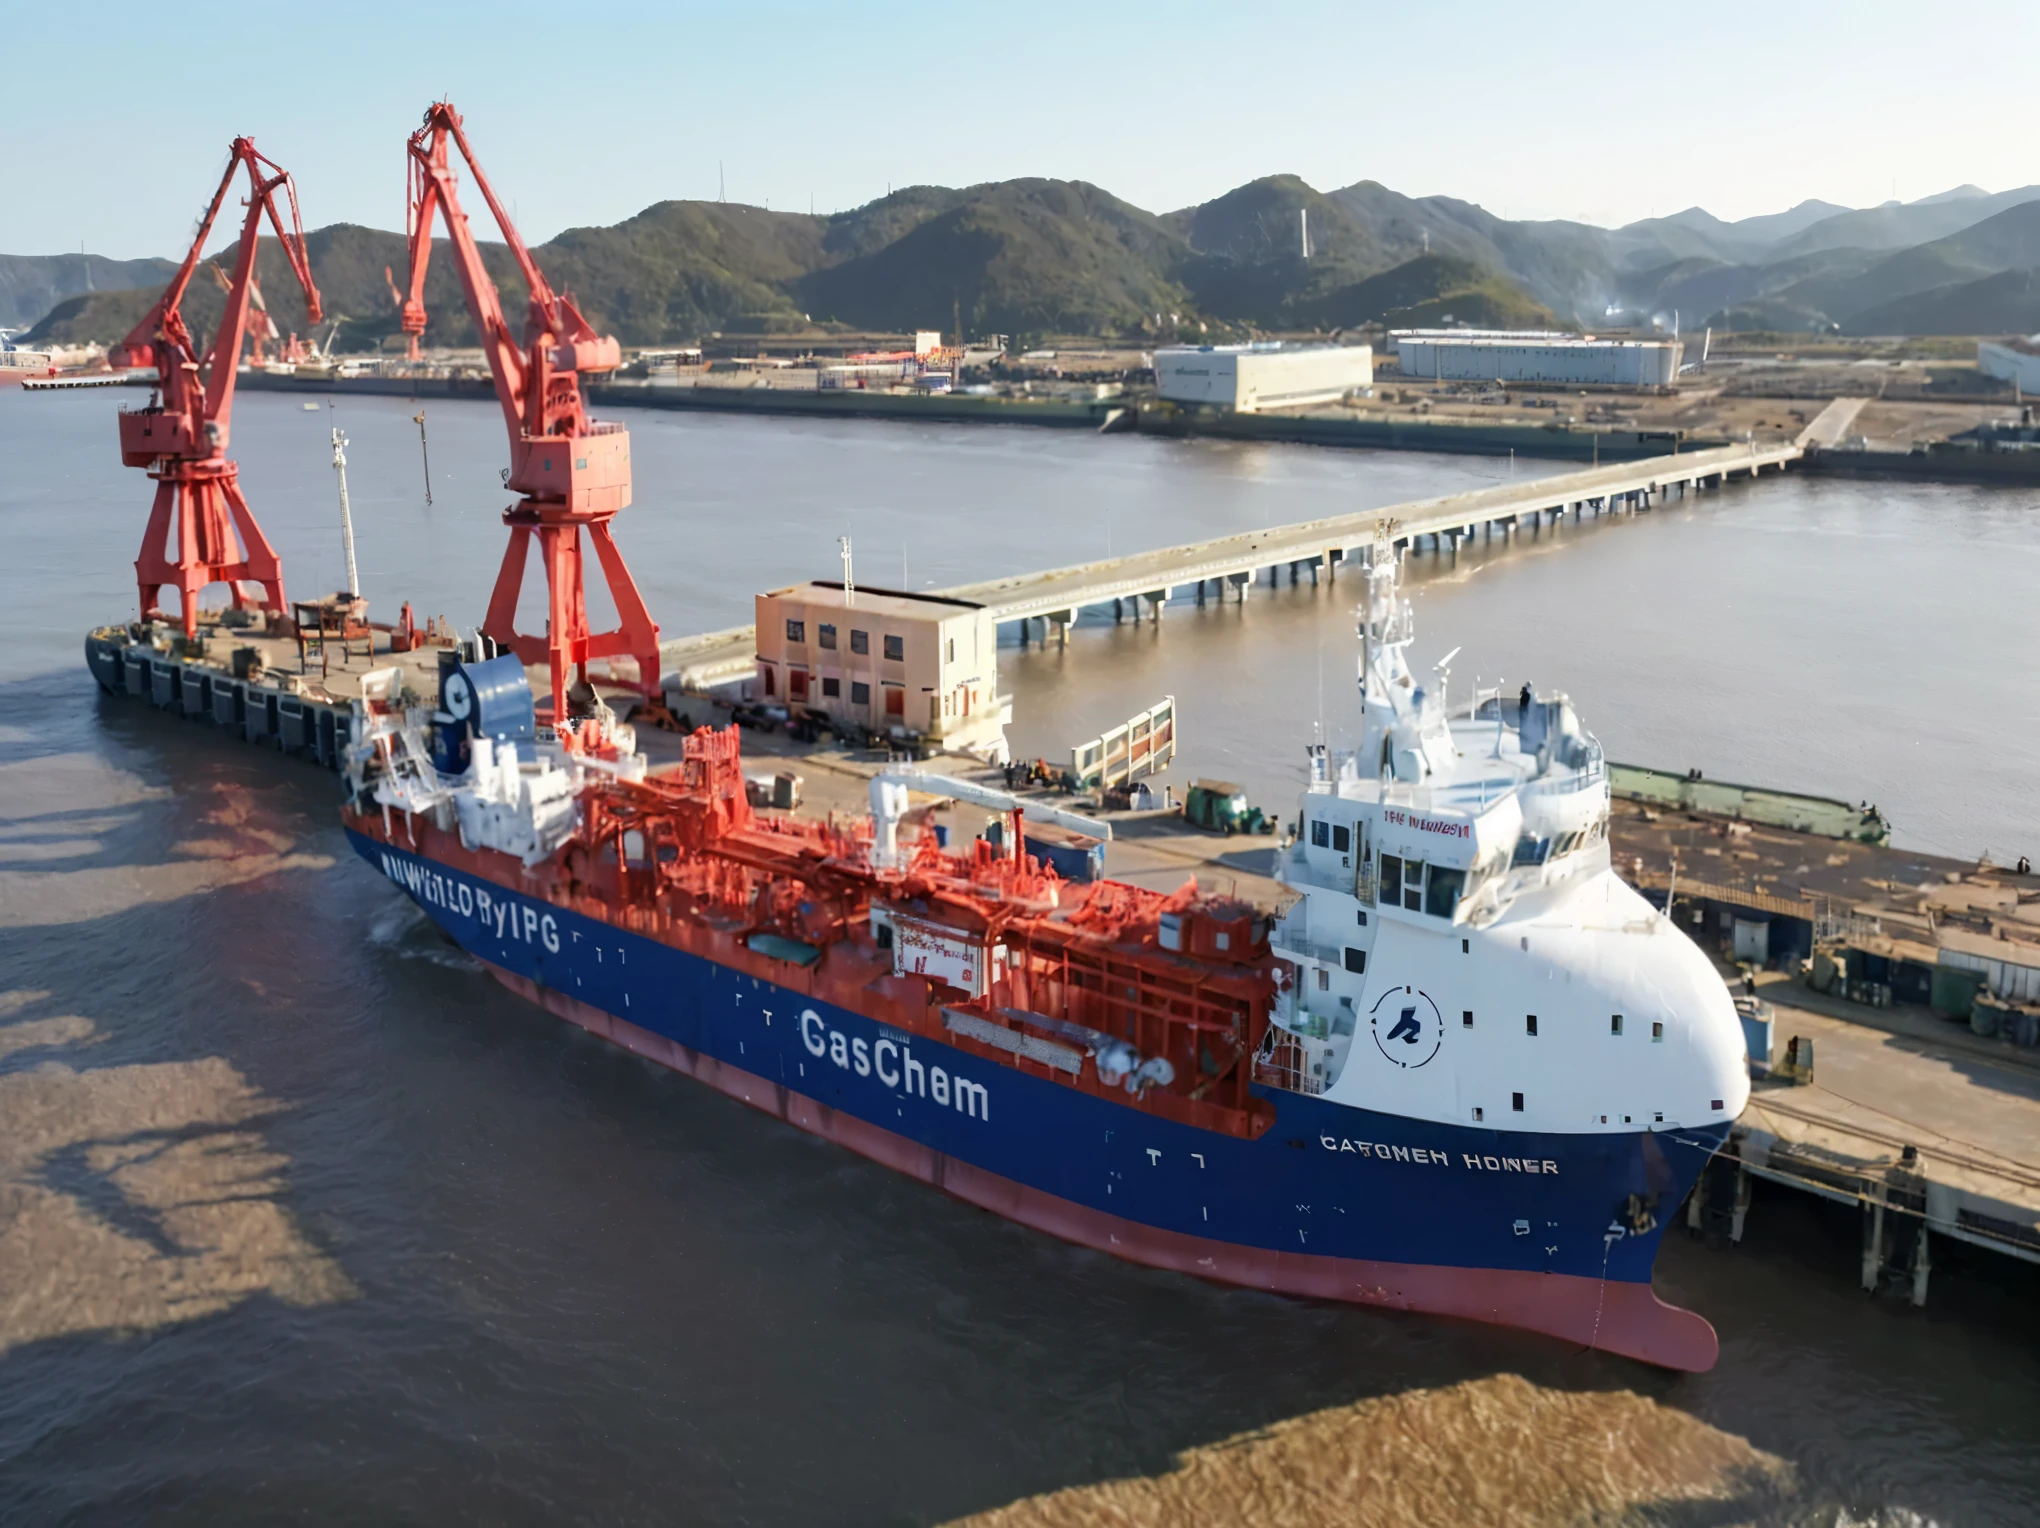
1036	256
30	285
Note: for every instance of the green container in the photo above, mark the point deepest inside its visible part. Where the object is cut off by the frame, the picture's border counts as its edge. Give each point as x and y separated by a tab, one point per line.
1954	992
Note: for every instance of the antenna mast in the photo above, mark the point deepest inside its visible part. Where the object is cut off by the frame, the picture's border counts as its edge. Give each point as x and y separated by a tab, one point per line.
346	515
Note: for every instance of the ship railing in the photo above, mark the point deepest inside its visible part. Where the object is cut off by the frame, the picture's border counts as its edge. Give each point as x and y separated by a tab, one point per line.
1297	870
1291	943
1282	1063
1590	770
1365	884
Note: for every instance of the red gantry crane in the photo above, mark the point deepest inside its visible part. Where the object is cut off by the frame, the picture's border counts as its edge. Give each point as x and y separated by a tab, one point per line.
182	436
573	473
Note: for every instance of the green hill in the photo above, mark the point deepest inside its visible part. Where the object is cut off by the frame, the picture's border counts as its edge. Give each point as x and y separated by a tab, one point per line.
2005	303
1431	290
1021	257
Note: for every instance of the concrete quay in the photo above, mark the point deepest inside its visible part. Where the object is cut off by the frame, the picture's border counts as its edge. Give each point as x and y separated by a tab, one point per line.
1228	566
1924	1130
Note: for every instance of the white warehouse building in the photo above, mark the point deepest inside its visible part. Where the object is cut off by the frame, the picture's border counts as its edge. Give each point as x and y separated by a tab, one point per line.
1493	355
1247	378
2015	361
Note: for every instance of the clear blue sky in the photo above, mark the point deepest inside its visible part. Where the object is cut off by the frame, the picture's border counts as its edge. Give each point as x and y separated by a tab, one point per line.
586	113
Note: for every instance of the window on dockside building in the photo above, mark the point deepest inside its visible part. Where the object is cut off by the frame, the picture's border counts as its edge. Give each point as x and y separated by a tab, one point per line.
860	693
860	641
896	649
796	631
825	634
832	689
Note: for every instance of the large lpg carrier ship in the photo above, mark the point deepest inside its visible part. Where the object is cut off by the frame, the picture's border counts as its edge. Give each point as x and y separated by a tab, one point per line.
1469	1071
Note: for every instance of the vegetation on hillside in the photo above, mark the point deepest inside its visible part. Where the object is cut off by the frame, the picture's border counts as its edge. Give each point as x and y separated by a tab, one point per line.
1032	257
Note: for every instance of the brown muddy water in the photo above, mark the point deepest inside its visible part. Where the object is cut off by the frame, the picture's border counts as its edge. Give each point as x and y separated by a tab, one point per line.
302	1218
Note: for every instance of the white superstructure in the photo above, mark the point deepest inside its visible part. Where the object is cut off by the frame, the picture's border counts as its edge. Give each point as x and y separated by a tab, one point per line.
1246	378
1463	950
514	794
1494	355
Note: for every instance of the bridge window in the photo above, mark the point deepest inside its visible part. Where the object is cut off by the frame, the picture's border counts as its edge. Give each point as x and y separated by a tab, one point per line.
1356	960
1441	894
1391	877
825	634
1342	839
1516	1102
1466	1018
1657	1031
1413	885
1529	1023
1320	834
1614	1023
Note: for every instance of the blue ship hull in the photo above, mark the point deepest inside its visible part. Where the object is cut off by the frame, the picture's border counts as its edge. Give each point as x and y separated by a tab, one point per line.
1552	1232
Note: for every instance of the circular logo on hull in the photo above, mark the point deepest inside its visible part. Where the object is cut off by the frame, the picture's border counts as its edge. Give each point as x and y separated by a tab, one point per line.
1406	1027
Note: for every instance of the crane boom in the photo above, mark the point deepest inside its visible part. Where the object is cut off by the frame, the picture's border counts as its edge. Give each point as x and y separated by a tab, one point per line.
183	434
572	472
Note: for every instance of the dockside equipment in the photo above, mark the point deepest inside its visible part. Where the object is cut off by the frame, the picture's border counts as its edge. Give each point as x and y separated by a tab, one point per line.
573	473
181	437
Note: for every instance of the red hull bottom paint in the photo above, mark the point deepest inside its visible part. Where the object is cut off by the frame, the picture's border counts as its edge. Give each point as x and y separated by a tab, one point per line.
1621	1318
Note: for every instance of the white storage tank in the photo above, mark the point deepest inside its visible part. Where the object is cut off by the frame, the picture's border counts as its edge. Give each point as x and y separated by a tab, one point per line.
1247	378
1468	355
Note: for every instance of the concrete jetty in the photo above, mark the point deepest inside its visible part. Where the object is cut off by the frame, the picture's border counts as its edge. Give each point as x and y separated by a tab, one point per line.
1229	566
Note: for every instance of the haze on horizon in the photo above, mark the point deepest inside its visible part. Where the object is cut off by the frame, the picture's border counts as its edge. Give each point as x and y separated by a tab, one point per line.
1593	112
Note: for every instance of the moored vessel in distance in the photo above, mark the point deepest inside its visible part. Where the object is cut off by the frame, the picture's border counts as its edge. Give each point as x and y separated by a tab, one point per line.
1467	1071
18	366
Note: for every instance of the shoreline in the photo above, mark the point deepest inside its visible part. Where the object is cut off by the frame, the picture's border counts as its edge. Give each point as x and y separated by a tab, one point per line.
1111	416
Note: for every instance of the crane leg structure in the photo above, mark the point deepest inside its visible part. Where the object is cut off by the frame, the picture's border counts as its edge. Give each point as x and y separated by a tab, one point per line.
206	509
573	472
569	645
